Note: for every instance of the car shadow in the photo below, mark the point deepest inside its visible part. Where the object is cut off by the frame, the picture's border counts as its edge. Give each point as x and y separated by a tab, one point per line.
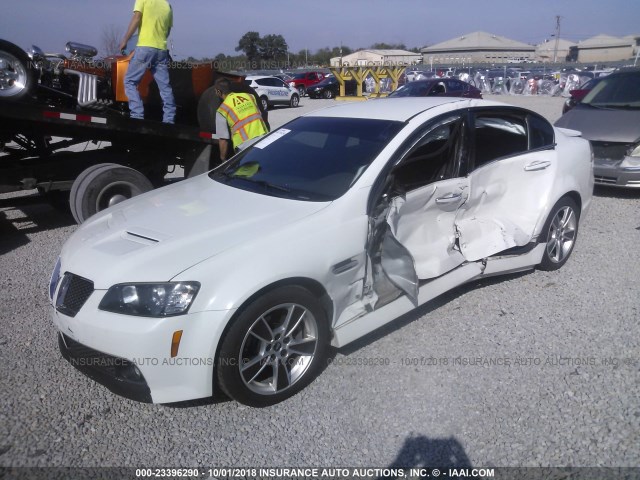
24	215
416	314
421	452
616	192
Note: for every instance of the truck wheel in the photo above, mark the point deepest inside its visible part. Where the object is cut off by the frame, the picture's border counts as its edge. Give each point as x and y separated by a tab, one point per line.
302	90
17	76
104	185
207	106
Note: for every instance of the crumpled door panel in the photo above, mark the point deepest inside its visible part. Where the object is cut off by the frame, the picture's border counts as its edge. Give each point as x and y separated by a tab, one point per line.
397	264
423	223
505	202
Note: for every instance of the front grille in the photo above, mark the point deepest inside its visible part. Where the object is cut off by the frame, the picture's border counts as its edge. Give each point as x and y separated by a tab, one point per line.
610	150
74	291
81	355
601	179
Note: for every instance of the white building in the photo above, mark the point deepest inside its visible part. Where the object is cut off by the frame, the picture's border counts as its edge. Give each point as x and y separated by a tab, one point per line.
374	58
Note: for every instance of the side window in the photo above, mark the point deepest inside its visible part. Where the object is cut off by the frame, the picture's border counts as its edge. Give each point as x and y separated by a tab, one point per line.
454	86
540	133
263	82
496	136
278	83
435	157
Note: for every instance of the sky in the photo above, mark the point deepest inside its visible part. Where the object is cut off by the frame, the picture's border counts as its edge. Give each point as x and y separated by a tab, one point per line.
205	28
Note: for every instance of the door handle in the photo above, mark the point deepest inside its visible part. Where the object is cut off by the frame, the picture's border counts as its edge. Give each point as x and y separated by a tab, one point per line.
538	165
450	198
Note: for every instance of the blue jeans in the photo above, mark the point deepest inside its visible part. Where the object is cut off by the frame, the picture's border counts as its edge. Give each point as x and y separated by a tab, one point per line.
148	58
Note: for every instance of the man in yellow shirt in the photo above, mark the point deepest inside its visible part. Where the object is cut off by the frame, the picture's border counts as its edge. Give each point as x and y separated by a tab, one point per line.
154	19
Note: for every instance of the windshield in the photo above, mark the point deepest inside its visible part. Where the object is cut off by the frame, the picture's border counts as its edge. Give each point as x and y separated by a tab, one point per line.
413	89
620	91
311	158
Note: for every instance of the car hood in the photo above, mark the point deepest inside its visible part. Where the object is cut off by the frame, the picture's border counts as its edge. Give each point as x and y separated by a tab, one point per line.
156	236
603	125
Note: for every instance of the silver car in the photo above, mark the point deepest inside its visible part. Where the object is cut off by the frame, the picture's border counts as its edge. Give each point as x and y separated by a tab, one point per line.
609	117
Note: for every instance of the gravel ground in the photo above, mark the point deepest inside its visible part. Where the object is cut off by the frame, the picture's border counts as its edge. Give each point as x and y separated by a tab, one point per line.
535	369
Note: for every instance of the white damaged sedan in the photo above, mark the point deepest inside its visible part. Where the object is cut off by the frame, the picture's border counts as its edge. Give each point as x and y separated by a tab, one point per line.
240	279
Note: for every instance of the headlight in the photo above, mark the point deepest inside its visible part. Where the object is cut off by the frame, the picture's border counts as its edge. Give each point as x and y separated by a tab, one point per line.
55	278
635	152
150	299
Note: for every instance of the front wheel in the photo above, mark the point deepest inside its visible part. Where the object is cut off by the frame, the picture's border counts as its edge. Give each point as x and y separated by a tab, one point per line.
17	76
328	94
274	348
560	232
295	100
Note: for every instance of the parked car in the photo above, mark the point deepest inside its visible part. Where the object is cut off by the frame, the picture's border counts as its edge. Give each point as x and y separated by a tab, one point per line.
609	116
330	88
302	81
273	91
318	234
437	87
576	95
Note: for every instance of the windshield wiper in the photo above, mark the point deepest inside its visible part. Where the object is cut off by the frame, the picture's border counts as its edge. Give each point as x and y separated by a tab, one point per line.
262	183
614	106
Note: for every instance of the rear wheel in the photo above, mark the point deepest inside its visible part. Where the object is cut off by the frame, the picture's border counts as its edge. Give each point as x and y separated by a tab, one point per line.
17	76
274	348
302	90
560	232
102	186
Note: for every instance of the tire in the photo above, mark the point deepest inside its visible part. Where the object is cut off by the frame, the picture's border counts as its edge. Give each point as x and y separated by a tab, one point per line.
17	75
559	233
295	101
265	103
73	194
302	90
208	103
102	186
328	94
261	337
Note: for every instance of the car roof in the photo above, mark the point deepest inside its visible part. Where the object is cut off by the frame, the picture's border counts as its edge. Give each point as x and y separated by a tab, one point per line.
398	109
259	77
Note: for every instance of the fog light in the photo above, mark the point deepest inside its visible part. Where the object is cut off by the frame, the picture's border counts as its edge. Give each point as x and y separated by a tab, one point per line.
130	372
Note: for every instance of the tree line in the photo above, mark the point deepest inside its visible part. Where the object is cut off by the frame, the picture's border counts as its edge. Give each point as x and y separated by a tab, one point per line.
272	52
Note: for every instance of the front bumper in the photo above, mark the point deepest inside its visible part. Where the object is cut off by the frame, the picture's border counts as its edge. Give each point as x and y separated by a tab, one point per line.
106	346
610	172
119	375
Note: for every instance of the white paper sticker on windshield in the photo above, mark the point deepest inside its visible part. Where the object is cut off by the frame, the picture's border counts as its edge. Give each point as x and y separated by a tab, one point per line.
272	138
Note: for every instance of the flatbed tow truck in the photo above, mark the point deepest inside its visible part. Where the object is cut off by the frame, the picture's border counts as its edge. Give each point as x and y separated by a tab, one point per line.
42	147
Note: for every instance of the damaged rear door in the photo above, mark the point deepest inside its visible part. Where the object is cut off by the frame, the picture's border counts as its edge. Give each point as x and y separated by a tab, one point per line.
512	163
413	235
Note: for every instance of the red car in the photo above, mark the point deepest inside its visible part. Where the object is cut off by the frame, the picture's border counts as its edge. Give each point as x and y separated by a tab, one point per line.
302	81
437	87
579	93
